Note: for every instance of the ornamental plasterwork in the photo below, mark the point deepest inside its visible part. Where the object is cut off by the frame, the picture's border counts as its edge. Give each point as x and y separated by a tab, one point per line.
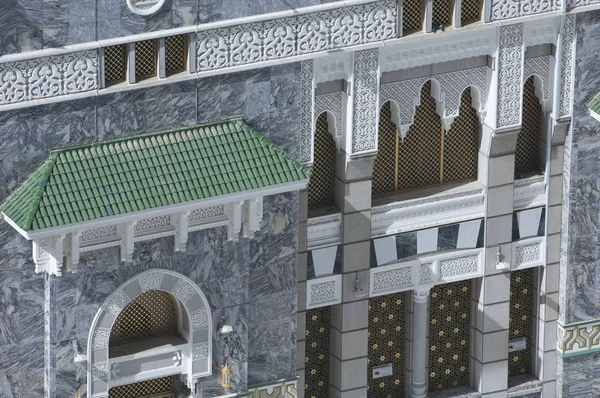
332	103
100	339
540	66
154	222
509	75
207	212
527	253
200	319
304	34
47	77
306	109
459	266
98	233
324	230
100	371
200	351
364	134
151	281
566	76
426	275
578	338
183	290
118	301
406	95
392	279
504	9
321	292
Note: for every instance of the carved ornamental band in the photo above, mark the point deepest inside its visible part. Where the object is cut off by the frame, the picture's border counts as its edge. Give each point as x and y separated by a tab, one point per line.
509	75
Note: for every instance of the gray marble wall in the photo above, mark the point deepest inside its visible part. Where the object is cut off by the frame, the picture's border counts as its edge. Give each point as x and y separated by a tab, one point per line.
29	25
252	283
580	250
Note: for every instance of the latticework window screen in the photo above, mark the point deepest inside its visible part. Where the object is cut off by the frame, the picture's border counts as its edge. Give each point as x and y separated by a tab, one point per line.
527	153
151	314
441	13
316	379
470	11
387	332
412	16
175	54
419	163
115	64
520	321
321	188
461	143
155	388
386	167
145	59
449	335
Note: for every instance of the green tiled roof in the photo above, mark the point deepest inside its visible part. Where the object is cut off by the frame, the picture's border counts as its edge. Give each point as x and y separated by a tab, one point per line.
594	104
148	171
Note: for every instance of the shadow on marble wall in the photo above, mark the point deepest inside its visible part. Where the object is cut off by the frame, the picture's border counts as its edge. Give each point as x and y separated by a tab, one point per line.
252	283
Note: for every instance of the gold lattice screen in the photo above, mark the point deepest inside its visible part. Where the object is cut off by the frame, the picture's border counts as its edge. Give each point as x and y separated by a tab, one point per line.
520	321
155	388
419	163
386	165
470	11
316	379
387	331
527	153
441	13
145	59
175	54
412	16
321	188
115	64
151	314
461	144
449	335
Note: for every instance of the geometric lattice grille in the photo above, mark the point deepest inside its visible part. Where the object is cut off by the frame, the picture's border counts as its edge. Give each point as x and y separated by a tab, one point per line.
520	319
115	64
175	53
155	388
386	344
527	153
412	16
145	59
321	187
449	335
151	314
384	170
316	379
461	143
470	11
440	14
419	153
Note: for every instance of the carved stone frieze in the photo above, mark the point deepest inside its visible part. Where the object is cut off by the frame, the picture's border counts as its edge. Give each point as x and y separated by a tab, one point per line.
390	279
566	76
321	292
47	77
118	301
200	351
578	338
364	135
505	9
100	339
459	266
200	319
509	75
151	281
206	212
306	109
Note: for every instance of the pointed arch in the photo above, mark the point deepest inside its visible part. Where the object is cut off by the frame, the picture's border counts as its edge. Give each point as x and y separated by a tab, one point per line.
461	143
385	170
527	152
321	188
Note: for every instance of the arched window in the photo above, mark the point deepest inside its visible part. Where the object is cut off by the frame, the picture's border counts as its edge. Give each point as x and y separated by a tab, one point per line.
441	13
151	315
527	153
470	11
412	16
461	143
321	188
427	156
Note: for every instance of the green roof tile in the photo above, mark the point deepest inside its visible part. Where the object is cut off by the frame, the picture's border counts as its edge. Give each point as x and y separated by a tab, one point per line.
594	104
138	173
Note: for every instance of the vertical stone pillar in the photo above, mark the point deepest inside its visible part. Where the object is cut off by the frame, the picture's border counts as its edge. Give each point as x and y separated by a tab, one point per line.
301	314
420	347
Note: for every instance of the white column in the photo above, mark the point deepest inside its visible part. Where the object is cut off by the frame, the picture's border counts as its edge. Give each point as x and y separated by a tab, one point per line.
420	349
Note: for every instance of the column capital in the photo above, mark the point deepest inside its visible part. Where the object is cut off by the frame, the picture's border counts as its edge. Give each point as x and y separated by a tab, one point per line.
421	294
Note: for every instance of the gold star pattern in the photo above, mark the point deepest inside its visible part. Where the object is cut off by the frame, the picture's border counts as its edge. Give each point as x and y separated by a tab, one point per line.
520	319
317	352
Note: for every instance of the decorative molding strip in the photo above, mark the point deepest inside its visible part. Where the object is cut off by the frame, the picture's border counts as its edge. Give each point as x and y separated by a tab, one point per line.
326	230
529	193
423	213
578	338
47	77
304	34
332	103
406	95
505	9
510	61
542	68
426	271
365	115
568	66
324	291
307	105
528	253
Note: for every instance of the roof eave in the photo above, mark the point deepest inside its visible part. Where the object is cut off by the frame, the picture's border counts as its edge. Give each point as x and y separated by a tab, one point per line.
20	230
595	115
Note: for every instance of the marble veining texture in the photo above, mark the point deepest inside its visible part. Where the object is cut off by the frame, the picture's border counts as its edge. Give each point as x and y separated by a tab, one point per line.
251	284
29	25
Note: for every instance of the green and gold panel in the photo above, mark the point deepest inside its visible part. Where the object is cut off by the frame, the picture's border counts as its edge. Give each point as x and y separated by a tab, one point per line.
449	335
520	321
387	331
316	378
